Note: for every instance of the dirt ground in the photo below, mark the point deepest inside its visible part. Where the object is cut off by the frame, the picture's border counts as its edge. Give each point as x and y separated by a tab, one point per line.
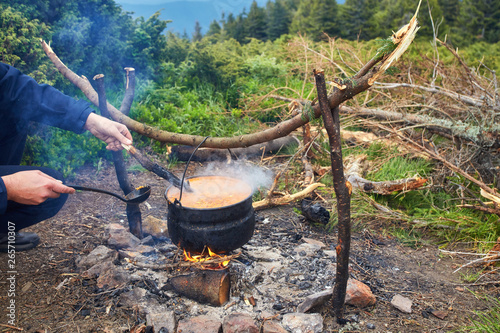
44	303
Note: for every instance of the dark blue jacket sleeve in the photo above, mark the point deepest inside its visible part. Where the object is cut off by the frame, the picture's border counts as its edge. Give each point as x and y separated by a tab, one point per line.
23	99
3	197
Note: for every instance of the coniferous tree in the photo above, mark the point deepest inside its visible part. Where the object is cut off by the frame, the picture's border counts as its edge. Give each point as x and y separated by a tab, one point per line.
214	28
393	14
197	35
316	17
302	21
356	19
256	22
481	20
327	14
278	19
451	11
235	27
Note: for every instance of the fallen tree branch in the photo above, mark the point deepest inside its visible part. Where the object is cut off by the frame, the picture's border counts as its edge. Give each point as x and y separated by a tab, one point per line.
354	170
477	102
436	156
354	86
183	153
285	200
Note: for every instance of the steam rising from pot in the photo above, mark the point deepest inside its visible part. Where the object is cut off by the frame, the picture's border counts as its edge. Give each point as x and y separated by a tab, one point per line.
254	175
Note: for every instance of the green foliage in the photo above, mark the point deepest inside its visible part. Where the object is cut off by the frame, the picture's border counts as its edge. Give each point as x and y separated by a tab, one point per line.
265	67
400	167
408	237
256	22
314	18
279	18
62	150
358	19
487	321
20	41
481	20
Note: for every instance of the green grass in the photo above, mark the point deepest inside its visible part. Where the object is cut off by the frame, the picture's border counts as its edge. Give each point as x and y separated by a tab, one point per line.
487	321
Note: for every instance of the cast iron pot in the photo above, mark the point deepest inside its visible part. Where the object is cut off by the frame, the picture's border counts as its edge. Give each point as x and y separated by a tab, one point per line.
223	229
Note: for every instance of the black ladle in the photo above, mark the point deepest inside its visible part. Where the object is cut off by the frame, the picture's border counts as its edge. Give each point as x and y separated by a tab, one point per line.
137	196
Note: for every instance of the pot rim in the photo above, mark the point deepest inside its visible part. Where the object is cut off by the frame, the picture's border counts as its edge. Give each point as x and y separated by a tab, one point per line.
180	206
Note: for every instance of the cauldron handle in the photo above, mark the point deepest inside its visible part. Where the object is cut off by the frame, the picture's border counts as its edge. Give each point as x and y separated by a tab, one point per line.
185	169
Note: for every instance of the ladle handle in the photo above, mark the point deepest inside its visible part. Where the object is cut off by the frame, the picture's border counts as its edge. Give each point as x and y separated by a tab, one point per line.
85	188
153	167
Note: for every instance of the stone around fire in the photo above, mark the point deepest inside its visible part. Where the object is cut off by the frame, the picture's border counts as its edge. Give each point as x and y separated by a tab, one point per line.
359	294
303	322
120	237
239	323
205	324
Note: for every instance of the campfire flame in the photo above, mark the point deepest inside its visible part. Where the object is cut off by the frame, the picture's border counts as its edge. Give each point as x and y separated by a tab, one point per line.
210	260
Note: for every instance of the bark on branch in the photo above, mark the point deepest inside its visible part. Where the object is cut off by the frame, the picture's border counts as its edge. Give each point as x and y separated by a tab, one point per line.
331	120
354	171
282	129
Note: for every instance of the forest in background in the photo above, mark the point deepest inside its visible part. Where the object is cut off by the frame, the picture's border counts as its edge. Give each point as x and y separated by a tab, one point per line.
98	37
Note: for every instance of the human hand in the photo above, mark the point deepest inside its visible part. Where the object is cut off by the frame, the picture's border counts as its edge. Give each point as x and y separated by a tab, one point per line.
33	187
111	132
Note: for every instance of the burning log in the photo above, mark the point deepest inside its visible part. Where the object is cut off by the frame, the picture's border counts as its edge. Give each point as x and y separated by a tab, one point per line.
203	286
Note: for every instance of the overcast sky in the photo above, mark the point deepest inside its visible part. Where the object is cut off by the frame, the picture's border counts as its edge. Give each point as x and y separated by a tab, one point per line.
185	13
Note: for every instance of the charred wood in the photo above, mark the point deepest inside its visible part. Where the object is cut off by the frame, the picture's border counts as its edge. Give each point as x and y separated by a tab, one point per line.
133	210
314	212
331	120
203	286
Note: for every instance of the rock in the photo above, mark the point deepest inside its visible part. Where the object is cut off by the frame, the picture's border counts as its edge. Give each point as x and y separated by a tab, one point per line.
401	303
161	319
314	300
98	269
359	294
205	324
99	255
239	323
148	241
120	237
140	250
155	227
330	253
439	314
303	323
133	297
114	277
309	249
264	253
370	326
313	242
271	326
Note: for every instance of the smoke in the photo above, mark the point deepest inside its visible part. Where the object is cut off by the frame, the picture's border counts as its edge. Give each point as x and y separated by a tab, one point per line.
254	175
